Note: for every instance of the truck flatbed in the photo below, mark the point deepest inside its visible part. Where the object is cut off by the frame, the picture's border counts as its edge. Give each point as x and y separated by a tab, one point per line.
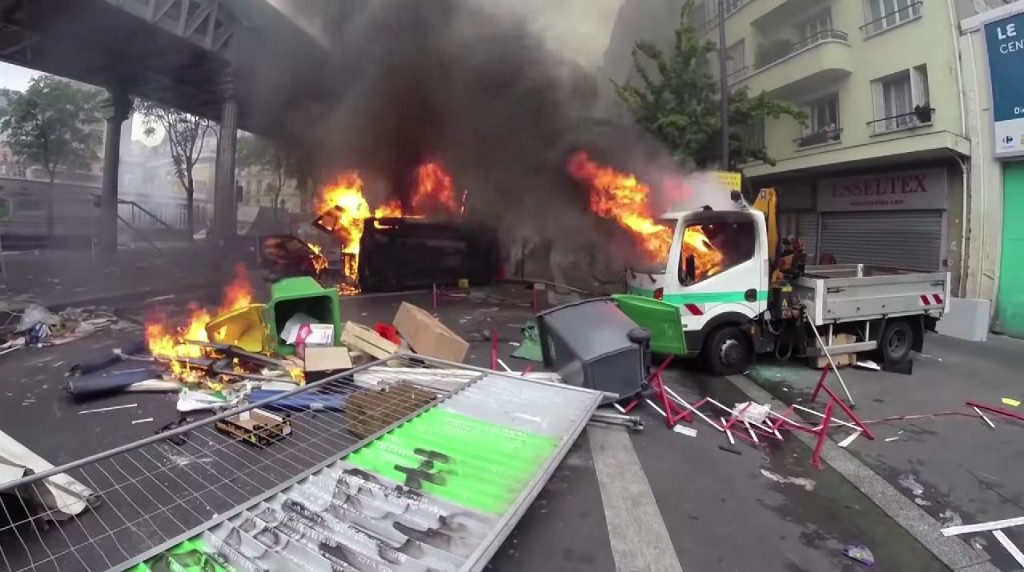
857	292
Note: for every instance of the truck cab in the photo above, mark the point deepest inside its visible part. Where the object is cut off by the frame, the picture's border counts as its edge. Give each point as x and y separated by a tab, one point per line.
717	272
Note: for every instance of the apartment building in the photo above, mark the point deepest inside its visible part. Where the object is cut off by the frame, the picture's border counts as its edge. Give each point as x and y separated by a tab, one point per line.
876	175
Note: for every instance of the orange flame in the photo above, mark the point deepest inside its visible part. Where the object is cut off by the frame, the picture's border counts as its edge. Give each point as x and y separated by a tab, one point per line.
344	208
624	199
434	191
706	258
168	343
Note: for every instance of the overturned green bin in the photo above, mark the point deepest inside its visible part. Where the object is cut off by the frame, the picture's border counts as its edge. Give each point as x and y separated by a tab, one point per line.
661	319
301	294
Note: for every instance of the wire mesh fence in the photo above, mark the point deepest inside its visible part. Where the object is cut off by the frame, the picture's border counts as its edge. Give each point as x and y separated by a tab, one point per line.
116	509
158	489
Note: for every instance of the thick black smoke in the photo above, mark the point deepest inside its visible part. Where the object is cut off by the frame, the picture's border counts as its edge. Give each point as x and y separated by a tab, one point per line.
449	80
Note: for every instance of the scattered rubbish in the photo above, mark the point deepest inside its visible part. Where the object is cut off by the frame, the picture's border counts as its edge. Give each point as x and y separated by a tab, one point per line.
846	442
950	518
983	416
751	412
59	497
890	439
325	361
529	348
358	337
1011	402
860	553
102	384
997	410
179	439
683	430
102	409
978	543
905	367
868	364
729	449
921	502
194	400
308	401
146	420
911	484
115	356
427	335
1009	546
257	427
504	365
243	327
36	315
806	483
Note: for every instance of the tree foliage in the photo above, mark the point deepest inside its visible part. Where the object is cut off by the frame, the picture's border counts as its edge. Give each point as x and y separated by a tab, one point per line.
52	124
678	101
265	156
186	137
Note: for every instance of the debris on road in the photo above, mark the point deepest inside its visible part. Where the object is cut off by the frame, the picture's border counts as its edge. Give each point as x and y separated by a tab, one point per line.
868	364
807	484
859	553
103	409
59	498
1011	402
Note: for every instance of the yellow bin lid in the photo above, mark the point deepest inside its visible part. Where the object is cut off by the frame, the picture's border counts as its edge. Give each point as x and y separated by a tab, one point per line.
243	327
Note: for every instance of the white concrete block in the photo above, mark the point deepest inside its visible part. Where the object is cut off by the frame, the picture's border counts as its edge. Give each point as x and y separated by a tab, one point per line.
967	319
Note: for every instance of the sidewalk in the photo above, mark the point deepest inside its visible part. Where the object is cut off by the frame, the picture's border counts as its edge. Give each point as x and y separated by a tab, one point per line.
954	467
78	277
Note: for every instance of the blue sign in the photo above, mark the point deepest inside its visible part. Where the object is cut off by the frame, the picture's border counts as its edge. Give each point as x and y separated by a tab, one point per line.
1005	41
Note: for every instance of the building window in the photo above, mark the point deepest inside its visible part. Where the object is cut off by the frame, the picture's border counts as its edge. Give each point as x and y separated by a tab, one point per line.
884	14
735	60
699	17
753	134
817	27
732	5
823	122
901	100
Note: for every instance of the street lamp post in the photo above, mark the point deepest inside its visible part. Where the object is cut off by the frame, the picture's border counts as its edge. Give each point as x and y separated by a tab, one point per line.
723	85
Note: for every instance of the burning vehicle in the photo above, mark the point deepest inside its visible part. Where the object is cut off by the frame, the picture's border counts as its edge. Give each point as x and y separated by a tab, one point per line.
393	247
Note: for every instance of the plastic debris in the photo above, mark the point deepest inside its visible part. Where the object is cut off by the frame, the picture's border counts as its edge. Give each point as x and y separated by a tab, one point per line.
688	431
1011	402
868	364
860	553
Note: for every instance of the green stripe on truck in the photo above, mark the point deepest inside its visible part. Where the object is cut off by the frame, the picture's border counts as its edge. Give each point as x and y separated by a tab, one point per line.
700	297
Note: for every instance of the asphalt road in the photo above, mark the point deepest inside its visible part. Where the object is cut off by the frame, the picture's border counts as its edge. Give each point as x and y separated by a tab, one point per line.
650	500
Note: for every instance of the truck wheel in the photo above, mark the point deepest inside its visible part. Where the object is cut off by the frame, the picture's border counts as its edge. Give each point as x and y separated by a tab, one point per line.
728	351
896	341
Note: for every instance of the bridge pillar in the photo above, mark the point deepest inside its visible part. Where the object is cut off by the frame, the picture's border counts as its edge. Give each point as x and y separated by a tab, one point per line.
116	112
225	204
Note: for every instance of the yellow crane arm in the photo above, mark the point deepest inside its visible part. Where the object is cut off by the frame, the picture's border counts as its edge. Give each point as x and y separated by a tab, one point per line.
766	204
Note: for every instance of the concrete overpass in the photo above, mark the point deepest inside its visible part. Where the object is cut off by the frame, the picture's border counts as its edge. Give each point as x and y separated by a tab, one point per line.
220	59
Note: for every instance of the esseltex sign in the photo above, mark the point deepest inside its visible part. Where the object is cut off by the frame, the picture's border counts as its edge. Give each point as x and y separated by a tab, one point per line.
907	190
1005	42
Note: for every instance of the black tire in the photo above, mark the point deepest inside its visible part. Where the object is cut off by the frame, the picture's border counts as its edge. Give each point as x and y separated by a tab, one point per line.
728	351
896	341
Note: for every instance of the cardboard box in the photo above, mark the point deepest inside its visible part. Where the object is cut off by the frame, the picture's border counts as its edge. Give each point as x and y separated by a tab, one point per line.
325	361
842	360
427	335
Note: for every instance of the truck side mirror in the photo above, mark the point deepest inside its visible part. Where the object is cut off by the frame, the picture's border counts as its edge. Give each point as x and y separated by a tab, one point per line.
690	270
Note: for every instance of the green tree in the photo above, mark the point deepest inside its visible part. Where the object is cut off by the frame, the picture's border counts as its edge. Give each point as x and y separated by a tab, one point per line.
186	136
270	157
678	101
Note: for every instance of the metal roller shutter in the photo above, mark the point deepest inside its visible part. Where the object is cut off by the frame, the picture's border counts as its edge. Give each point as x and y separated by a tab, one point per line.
905	239
807	231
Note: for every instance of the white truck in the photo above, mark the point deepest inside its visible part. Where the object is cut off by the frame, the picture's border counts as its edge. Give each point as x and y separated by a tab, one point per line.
737	297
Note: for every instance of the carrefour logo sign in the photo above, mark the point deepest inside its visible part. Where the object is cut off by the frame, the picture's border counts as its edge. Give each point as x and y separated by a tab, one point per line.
1004	40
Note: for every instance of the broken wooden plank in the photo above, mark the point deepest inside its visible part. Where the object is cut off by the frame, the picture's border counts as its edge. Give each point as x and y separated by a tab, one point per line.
359	337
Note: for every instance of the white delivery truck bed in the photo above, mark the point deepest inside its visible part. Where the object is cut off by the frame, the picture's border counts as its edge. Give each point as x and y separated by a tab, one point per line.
855	292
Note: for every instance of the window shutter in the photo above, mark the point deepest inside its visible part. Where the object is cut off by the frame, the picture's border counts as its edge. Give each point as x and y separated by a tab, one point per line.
878	97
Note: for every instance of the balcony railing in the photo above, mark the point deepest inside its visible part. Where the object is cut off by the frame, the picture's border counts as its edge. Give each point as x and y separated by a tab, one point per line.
821	137
888	20
778	50
921	115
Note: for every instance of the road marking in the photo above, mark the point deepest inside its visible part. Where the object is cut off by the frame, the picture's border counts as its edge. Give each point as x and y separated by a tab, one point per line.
983	526
1009	546
639	539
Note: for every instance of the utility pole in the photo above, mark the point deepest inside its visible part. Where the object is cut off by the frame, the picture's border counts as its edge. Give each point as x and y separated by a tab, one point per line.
723	87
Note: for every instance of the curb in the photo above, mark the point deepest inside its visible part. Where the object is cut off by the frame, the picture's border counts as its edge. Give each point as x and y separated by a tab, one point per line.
951	551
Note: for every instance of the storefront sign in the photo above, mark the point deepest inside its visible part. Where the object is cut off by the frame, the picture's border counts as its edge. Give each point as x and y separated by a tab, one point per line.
730	180
910	190
1005	41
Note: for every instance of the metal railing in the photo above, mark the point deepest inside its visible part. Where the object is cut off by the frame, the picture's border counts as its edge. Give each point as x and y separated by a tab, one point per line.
821	137
919	116
779	50
905	14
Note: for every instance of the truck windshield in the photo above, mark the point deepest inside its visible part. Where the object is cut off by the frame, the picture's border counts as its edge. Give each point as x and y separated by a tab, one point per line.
656	246
715	247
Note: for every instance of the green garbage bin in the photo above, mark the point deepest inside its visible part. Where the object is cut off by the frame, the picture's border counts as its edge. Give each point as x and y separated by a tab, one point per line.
660	318
301	294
